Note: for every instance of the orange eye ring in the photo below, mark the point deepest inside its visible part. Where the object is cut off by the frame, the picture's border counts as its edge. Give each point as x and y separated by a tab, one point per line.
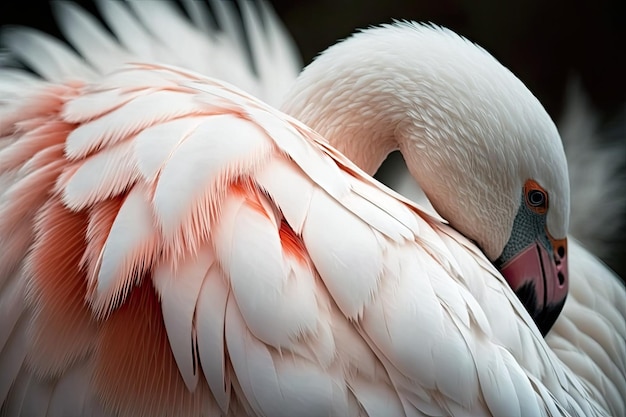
536	197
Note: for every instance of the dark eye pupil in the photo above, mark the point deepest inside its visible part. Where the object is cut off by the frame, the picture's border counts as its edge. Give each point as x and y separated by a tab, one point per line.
536	198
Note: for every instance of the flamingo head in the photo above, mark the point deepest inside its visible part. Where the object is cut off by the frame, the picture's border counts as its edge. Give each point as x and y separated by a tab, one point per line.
534	262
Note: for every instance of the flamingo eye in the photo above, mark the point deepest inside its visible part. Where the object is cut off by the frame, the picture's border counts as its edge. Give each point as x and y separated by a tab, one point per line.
537	198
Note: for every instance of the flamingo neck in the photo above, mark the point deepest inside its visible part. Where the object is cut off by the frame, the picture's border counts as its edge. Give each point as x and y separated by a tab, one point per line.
361	128
463	123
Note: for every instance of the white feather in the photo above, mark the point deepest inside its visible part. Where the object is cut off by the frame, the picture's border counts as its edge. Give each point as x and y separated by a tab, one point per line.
101	176
89	37
14	82
200	15
303	389
290	190
91	106
400	212
121	123
262	284
497	384
226	15
377	400
413	317
210	327
168	136
166	24
377	218
49	57
345	252
320	168
251	361
130	32
122	259
179	288
220	144
284	53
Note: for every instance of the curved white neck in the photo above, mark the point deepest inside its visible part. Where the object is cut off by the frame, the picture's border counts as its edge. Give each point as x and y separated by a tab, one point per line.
462	121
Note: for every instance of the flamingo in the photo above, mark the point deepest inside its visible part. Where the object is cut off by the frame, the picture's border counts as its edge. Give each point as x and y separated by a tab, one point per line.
119	247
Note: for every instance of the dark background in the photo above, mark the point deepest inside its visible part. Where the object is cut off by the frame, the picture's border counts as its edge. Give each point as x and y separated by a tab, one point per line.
543	42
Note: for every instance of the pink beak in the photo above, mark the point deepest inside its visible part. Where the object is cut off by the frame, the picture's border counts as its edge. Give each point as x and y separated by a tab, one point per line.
540	280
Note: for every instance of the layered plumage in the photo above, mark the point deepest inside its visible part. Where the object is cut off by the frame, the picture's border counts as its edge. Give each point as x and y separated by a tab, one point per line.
287	279
215	256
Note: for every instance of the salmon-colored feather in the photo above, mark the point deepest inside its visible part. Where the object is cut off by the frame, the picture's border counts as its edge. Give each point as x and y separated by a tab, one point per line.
291	243
42	136
136	372
37	106
63	328
101	218
26	196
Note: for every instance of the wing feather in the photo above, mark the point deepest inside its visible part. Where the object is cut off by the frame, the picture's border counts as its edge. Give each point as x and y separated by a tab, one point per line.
261	282
321	169
19	205
377	401
210	329
179	286
113	127
302	387
12	356
12	403
128	252
102	176
251	361
165	23
12	305
17	153
37	399
89	38
290	190
49	57
130	31
75	384
195	176
200	15
343	246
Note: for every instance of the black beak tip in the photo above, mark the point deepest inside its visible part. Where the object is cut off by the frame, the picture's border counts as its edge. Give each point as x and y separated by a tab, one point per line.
544	317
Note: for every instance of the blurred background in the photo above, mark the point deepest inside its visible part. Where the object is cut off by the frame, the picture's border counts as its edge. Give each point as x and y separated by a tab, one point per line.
544	42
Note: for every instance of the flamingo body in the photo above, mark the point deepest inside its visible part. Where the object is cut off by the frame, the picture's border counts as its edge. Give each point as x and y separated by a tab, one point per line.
172	246
234	216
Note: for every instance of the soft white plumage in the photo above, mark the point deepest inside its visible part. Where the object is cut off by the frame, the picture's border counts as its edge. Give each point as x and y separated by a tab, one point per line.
233	234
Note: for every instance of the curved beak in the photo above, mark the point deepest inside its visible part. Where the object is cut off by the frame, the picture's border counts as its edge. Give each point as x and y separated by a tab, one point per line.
539	277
